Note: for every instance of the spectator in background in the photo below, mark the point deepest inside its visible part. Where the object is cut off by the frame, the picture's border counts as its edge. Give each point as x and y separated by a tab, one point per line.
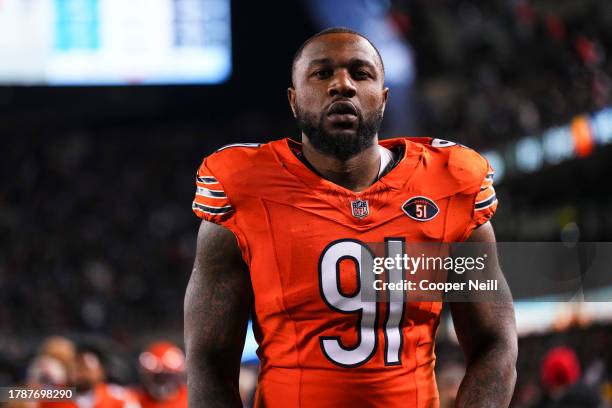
60	348
47	371
560	376
91	388
52	366
162	374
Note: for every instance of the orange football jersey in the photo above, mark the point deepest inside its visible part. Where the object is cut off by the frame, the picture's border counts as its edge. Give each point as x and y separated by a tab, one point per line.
301	237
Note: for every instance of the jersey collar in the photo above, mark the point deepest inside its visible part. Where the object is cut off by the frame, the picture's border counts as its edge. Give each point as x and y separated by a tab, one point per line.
394	179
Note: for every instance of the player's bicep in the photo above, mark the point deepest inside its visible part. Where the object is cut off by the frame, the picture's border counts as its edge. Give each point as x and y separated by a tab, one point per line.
217	301
492	320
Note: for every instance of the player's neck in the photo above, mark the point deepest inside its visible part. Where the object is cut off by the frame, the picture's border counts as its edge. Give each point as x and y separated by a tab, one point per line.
355	174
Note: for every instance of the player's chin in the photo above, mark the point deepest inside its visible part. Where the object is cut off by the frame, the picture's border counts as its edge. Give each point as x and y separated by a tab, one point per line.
342	129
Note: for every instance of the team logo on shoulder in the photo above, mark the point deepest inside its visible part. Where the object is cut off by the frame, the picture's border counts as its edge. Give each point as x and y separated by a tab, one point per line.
445	143
420	208
442	143
360	208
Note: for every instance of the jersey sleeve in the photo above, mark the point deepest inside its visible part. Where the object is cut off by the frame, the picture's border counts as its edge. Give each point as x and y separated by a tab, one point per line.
485	202
211	202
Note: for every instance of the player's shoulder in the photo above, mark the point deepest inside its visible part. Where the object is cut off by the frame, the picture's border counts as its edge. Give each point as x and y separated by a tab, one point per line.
238	153
450	159
240	158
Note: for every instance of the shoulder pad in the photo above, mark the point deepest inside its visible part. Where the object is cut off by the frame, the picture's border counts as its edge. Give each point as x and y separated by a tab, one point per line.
465	166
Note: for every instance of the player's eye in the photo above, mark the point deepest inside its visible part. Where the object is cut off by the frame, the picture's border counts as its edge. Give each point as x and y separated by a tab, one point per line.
322	73
361	74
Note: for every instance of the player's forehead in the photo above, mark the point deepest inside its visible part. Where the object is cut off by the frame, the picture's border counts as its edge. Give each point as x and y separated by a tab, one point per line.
338	48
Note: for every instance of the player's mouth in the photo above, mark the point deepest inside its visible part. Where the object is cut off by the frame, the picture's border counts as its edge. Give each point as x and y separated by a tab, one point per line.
342	112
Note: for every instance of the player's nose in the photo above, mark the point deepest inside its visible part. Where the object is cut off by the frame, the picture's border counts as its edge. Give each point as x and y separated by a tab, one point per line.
341	84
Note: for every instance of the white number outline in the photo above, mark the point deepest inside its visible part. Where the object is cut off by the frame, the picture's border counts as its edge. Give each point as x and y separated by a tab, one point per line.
392	334
324	339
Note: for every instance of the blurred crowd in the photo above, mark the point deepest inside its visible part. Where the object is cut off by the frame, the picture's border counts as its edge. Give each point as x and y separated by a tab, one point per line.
97	232
571	369
494	70
100	374
61	363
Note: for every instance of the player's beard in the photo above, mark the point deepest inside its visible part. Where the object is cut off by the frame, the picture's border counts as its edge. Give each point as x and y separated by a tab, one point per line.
340	146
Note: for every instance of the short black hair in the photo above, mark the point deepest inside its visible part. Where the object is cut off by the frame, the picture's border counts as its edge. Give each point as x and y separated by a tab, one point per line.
333	30
93	347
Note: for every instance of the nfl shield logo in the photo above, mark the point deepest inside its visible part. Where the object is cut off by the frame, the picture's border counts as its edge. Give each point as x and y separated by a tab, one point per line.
359	208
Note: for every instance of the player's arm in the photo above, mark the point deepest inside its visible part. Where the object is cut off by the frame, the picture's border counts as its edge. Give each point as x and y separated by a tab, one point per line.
487	334
217	304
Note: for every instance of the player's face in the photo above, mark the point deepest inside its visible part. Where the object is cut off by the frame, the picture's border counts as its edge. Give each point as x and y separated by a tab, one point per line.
161	386
339	96
88	371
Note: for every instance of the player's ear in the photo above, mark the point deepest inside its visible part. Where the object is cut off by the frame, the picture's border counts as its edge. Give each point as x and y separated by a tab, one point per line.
385	96
291	98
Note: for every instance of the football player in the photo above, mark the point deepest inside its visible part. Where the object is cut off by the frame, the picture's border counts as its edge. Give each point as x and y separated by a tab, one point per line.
92	389
284	233
162	370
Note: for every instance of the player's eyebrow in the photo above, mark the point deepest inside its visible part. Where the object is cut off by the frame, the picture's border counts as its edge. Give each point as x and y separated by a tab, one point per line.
353	62
320	61
357	62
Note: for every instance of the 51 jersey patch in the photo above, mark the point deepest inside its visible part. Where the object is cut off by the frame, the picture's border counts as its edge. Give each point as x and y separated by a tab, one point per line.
420	208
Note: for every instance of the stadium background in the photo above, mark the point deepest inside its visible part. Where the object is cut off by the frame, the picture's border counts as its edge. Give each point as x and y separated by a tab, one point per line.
96	233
